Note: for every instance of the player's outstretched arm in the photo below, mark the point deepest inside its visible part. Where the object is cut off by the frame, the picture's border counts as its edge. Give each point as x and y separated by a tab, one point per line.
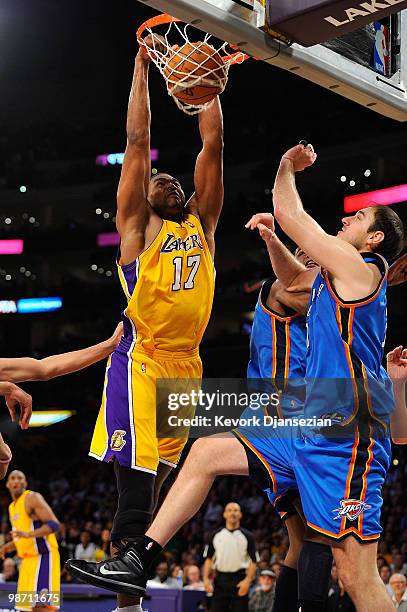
37	506
397	370
338	257
133	210
207	200
27	368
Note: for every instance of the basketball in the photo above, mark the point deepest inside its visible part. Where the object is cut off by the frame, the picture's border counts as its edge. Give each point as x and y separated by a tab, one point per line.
195	73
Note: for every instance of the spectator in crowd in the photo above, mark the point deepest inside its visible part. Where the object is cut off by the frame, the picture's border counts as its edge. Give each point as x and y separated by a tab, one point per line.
384	573
276	568
398	566
104	551
263	597
213	513
163	579
380	562
85	549
9	573
193	578
399	597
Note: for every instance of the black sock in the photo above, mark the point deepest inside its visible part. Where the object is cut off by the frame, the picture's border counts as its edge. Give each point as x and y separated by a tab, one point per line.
313	606
147	549
314	569
286	596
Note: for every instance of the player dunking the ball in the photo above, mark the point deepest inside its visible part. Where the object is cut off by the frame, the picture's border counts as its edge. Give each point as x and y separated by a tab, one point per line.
339	476
167	273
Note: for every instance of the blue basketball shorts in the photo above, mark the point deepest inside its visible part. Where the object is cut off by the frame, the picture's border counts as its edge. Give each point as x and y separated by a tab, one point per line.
339	479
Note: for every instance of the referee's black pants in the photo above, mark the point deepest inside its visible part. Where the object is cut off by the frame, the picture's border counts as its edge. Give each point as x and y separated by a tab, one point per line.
225	593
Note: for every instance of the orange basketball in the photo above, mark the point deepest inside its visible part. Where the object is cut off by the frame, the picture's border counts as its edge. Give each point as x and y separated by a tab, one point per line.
195	73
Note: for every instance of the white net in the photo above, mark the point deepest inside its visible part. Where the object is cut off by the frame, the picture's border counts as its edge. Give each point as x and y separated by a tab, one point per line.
194	70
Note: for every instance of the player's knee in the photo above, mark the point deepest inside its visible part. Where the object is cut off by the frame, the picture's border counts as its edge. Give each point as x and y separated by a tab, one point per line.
135	503
199	454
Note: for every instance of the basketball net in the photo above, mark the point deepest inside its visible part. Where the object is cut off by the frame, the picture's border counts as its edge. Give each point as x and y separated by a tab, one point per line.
164	45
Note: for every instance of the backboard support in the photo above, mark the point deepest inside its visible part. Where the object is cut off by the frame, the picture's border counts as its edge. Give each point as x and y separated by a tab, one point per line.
240	23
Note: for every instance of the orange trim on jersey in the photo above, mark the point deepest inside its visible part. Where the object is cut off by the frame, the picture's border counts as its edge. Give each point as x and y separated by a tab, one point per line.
350	473
274	353
350	326
338	318
346	346
355	387
342	533
356	303
274	315
259	456
287	351
364	477
369	398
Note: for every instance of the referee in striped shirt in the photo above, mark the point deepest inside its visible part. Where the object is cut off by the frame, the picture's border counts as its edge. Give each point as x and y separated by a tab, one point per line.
231	552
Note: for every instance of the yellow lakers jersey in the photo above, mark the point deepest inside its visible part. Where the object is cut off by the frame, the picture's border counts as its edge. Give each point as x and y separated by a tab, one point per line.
169	289
21	521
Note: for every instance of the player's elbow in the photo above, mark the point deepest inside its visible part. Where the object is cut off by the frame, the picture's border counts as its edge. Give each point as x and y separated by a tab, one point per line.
213	144
43	371
399	441
281	214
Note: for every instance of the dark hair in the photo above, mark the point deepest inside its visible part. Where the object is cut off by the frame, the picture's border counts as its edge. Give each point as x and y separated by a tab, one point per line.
388	222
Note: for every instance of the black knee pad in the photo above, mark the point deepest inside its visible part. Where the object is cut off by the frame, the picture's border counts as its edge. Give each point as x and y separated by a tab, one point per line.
314	572
135	503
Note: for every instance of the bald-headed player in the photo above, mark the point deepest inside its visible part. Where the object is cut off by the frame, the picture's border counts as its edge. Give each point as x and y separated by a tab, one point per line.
167	273
33	531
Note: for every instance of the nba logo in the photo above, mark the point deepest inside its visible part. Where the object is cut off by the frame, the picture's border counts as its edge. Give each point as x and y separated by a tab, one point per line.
143	368
381	52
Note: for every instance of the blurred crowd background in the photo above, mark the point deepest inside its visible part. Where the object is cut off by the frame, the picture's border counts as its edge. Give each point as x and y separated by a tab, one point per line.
64	106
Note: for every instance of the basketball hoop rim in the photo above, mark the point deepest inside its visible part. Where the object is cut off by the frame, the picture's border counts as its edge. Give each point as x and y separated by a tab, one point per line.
233	58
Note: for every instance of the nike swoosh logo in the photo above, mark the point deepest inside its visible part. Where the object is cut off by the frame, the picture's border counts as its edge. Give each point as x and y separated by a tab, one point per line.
107	572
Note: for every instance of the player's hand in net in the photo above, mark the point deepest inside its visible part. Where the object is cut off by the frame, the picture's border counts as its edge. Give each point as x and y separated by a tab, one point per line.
302	156
152	44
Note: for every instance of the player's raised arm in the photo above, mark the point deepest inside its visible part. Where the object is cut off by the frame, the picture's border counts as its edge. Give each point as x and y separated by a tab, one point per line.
27	368
207	200
337	256
289	269
133	210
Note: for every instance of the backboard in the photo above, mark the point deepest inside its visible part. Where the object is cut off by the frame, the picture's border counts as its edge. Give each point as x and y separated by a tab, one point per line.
345	65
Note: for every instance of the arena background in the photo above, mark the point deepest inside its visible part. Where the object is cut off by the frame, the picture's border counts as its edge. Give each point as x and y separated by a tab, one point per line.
65	71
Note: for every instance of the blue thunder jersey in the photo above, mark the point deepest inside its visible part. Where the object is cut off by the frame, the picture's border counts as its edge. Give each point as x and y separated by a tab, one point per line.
278	349
345	346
